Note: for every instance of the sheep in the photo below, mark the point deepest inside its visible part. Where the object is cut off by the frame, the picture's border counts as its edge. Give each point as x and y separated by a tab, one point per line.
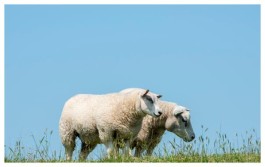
97	119
174	118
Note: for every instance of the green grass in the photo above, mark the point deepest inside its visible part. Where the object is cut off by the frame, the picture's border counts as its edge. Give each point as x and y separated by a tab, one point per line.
244	148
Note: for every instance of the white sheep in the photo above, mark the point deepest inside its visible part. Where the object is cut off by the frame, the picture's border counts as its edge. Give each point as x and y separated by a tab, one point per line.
174	118
104	119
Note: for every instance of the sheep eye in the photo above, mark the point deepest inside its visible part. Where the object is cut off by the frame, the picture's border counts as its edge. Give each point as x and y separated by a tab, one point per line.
149	99
185	121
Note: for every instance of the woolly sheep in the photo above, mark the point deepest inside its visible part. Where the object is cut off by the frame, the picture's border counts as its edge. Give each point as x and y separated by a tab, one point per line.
174	118
105	119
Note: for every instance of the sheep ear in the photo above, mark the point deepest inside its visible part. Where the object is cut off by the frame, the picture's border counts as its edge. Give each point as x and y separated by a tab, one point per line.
159	96
177	112
145	93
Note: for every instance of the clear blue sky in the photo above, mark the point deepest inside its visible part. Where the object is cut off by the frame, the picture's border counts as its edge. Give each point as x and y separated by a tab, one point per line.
206	58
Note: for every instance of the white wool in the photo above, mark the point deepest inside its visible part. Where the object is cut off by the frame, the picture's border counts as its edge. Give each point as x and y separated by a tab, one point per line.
153	129
101	118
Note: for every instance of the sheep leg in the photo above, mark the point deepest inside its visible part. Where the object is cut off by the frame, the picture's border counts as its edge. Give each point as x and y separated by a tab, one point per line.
69	152
69	149
126	149
138	151
69	145
85	150
150	150
110	148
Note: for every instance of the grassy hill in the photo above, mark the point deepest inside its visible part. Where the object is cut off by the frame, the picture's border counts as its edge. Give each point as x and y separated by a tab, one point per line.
200	150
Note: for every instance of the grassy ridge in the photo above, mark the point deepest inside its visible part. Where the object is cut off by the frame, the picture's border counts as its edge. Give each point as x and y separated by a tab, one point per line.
200	150
239	157
170	159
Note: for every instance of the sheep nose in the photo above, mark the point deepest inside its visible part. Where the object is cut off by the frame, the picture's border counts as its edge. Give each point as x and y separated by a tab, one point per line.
159	112
192	137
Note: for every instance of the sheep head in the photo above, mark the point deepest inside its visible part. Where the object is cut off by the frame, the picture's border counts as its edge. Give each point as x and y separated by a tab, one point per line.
149	103
179	123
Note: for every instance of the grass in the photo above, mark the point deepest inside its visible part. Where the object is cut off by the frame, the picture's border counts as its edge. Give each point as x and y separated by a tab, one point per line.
244	148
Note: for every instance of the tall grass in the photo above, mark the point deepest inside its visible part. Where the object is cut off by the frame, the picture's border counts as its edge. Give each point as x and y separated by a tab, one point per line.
244	148
41	152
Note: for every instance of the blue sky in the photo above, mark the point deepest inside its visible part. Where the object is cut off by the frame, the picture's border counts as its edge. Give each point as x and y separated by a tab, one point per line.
204	57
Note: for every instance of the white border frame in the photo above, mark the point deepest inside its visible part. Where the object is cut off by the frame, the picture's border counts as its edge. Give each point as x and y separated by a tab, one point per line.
188	2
